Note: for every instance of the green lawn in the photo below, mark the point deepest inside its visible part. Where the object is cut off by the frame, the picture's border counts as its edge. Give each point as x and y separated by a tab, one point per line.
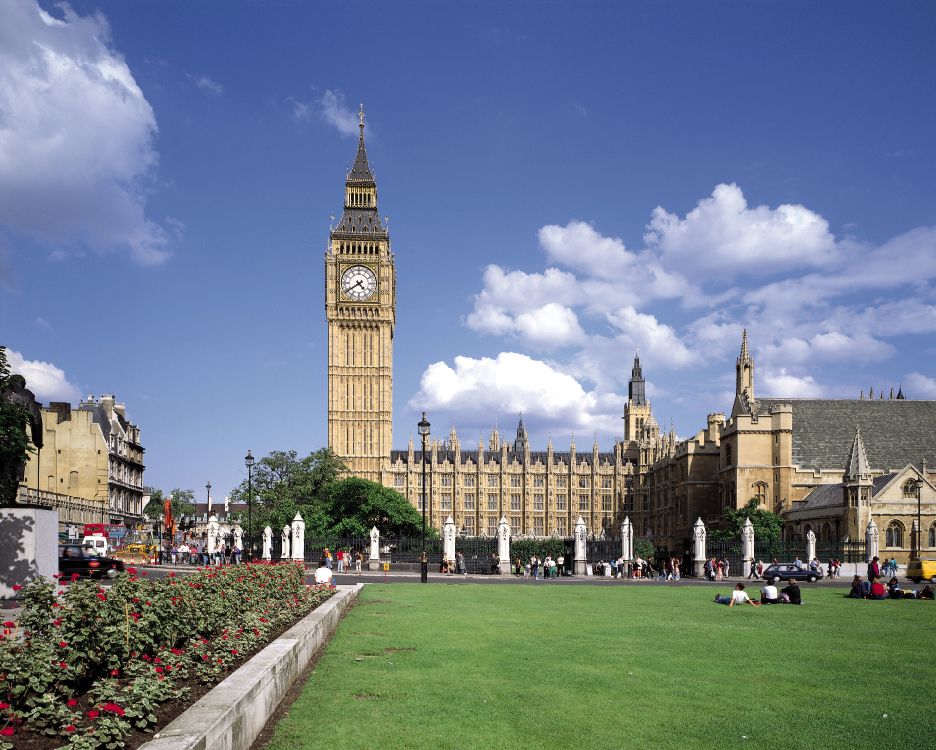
541	666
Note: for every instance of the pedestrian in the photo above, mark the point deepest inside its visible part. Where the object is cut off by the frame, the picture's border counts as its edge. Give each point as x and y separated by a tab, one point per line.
340	555
560	562
460	563
874	569
357	562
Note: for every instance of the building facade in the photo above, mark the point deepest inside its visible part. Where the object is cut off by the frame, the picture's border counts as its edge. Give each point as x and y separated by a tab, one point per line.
360	309
540	492
91	452
826	465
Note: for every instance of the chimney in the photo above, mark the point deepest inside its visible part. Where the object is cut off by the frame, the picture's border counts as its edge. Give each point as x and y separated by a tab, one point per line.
121	410
107	401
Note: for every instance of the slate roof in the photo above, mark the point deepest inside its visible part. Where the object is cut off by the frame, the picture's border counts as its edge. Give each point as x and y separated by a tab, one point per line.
361	222
831	495
895	432
361	171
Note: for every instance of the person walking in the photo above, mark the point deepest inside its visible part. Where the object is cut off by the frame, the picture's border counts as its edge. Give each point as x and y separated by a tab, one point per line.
357	563
460	563
340	554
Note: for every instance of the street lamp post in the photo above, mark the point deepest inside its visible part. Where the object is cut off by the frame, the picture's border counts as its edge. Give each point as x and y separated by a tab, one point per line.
249	462
919	529
424	434
208	487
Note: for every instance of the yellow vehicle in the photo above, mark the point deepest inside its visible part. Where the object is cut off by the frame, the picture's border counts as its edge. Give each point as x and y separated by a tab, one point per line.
919	570
136	552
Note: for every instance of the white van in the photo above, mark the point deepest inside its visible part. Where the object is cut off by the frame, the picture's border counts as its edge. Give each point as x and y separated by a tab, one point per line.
97	544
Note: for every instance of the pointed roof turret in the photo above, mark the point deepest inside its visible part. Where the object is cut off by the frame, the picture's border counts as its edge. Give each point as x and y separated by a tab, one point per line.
361	171
744	345
900	393
521	442
636	387
857	466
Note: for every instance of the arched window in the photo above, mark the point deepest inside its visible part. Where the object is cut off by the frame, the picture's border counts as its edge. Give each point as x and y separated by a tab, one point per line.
826	535
727	455
760	492
931	538
894	535
909	489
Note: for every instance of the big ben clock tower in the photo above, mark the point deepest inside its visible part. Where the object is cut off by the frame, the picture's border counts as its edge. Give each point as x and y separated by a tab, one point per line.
360	307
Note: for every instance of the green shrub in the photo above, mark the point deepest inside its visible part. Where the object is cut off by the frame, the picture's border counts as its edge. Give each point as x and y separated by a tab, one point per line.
526	548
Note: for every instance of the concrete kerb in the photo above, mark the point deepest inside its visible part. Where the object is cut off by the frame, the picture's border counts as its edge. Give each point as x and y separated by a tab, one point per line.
232	714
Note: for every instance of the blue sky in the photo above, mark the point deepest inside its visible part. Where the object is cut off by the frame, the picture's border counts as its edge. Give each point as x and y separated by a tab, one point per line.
566	182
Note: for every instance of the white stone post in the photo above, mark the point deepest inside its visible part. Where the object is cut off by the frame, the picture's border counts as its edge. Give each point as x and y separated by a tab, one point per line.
29	549
810	546
284	534
581	560
503	545
448	536
747	547
213	531
627	544
871	540
267	543
373	562
698	548
298	537
238	533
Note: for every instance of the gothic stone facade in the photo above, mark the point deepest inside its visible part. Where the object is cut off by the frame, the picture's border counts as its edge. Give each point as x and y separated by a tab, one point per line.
797	457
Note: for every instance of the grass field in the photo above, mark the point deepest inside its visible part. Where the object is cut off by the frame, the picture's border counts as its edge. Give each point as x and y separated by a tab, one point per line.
540	666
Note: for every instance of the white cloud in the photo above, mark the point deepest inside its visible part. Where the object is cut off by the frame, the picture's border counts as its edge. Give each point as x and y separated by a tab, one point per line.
723	237
205	83
302	112
44	379
550	327
475	391
916	385
656	340
781	384
825	347
76	135
577	245
336	113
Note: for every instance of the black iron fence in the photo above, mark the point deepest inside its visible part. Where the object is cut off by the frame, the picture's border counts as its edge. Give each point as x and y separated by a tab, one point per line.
844	552
782	551
728	552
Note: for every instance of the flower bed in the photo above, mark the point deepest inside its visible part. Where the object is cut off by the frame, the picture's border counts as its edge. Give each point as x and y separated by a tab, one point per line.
95	666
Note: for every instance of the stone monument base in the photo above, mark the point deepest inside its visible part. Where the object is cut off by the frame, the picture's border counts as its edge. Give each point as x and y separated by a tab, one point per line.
29	548
579	567
504	567
373	564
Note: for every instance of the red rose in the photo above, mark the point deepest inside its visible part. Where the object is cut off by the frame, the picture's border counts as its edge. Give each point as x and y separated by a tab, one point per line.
74	576
234	651
16	587
71	703
70	728
63	665
9	624
114	709
159	670
7	731
62	644
4	705
101	596
115	673
92	714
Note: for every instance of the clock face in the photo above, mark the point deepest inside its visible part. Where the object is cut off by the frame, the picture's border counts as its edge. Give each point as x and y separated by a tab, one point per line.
358	283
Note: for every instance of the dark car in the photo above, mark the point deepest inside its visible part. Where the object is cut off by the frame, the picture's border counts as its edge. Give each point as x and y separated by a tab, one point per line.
786	571
74	558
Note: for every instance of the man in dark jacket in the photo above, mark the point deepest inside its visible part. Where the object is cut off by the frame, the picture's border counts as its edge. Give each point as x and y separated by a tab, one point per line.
874	569
792	592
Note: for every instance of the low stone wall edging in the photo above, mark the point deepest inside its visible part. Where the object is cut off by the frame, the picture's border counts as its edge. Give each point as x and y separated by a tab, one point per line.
232	714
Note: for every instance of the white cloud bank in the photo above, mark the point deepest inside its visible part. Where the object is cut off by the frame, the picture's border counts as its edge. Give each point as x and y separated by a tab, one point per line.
76	135
44	379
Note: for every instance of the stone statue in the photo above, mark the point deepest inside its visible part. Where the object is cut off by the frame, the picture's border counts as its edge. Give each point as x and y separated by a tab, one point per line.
284	554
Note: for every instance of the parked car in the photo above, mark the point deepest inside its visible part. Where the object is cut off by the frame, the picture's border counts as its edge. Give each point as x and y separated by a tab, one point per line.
785	571
918	570
77	558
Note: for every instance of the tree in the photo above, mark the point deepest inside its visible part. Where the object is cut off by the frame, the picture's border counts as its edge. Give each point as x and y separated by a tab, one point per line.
283	484
767	525
357	505
17	410
183	504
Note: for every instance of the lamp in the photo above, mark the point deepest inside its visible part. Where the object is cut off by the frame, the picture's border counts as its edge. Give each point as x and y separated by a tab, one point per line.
423	427
249	462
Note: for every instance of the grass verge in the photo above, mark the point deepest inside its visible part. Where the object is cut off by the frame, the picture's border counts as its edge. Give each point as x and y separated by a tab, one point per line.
536	666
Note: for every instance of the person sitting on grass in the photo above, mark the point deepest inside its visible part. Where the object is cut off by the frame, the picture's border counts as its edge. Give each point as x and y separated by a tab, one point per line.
769	595
790	594
926	593
893	589
738	596
323	574
878	591
857	589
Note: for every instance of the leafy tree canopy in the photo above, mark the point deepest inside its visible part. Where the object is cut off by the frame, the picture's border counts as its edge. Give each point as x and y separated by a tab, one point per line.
767	525
183	504
282	484
357	505
14	442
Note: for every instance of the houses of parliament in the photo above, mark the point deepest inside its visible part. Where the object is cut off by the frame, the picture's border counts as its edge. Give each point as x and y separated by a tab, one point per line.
827	465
